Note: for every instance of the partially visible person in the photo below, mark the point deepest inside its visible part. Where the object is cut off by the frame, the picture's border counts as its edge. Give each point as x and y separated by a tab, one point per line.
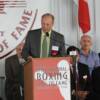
99	55
80	76
44	42
14	75
95	93
87	55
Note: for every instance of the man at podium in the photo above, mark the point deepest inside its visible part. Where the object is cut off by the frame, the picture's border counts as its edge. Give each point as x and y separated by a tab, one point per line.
44	42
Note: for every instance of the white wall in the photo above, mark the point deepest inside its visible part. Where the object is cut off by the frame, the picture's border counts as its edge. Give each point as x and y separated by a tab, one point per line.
42	6
62	9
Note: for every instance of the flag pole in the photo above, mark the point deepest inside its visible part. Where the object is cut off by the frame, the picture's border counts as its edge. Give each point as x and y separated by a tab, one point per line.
75	18
94	14
77	29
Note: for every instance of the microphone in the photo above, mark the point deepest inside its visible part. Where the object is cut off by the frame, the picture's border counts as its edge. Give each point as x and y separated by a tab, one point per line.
47	34
74	55
73	52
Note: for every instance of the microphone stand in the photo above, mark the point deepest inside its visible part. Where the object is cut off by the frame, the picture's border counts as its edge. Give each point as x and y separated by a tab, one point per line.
76	79
75	70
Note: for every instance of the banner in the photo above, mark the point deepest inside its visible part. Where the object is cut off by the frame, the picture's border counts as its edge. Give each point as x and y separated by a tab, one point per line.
16	19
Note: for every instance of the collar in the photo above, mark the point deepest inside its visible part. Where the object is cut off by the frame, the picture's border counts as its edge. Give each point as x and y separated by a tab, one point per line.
81	52
43	33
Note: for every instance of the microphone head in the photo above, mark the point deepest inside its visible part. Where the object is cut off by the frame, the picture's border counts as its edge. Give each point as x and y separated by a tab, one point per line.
73	53
47	34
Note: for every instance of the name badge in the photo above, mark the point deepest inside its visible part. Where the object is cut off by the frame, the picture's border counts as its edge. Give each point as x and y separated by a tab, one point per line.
55	48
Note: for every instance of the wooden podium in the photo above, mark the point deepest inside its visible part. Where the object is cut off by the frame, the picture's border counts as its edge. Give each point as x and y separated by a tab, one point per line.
47	79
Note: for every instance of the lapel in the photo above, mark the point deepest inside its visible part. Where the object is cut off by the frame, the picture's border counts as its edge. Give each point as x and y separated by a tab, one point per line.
18	70
16	61
38	43
15	65
51	42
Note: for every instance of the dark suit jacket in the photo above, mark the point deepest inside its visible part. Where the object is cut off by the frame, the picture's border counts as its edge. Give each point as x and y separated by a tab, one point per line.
96	80
84	85
33	40
14	73
83	71
95	93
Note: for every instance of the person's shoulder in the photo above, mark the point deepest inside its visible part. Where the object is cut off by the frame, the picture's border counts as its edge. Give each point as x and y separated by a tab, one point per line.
82	65
11	58
96	71
34	31
57	33
94	53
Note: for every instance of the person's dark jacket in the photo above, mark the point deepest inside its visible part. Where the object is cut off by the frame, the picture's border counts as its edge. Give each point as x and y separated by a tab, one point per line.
14	78
83	78
95	93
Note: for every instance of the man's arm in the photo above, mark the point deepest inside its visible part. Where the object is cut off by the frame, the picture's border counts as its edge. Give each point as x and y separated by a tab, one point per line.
8	83
26	48
62	46
8	71
12	83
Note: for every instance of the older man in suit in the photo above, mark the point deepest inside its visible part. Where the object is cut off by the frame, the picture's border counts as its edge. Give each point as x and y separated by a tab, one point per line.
87	55
14	75
44	42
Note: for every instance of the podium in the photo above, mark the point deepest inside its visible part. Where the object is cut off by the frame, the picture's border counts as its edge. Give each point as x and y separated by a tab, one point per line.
47	79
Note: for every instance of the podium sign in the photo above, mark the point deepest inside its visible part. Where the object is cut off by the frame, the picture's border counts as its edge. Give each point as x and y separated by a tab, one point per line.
47	79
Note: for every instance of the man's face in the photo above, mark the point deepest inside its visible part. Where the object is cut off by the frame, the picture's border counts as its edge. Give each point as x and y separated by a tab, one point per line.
19	48
46	23
86	43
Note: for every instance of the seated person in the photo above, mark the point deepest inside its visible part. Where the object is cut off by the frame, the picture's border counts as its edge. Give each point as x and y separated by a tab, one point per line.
81	75
14	76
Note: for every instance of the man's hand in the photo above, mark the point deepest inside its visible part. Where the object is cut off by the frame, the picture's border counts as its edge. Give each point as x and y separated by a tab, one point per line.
29	58
82	94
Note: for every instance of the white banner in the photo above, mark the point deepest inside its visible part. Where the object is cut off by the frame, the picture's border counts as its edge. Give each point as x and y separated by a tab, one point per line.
16	18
